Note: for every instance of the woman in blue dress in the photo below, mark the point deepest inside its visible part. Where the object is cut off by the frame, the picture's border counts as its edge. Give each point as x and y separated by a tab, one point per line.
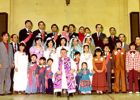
85	84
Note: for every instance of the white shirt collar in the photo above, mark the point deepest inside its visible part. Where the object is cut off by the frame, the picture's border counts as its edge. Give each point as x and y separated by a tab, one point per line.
41	30
26	29
106	53
13	43
123	44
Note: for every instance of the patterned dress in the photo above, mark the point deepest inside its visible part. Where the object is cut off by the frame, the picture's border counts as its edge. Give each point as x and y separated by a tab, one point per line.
85	84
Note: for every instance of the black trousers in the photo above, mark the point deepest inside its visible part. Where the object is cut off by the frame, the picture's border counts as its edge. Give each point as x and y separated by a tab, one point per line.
12	76
50	88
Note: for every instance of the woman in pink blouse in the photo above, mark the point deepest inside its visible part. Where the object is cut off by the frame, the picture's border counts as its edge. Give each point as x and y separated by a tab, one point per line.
37	48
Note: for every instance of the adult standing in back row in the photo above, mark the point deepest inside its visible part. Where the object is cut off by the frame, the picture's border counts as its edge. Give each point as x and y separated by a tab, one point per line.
98	36
40	32
54	34
72	31
26	35
112	38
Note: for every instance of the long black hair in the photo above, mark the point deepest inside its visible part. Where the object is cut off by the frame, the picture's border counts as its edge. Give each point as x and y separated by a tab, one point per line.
22	44
98	50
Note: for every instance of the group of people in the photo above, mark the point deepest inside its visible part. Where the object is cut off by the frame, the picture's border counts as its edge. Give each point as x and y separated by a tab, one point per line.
68	63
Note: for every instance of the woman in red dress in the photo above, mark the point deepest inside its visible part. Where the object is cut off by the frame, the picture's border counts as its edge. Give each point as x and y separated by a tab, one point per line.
99	82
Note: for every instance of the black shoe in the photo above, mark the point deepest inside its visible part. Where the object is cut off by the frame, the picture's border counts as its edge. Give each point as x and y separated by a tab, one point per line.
70	94
109	92
2	94
116	92
28	93
124	92
58	94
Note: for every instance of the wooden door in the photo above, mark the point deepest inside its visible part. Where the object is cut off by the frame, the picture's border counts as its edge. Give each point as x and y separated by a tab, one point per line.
3	23
134	25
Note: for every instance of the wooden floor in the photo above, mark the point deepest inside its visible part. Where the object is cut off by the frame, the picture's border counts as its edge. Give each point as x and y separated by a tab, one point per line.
76	97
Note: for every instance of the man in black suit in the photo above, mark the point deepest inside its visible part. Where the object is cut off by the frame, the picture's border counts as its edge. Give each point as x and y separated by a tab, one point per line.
40	32
72	31
112	38
25	35
54	34
98	36
15	46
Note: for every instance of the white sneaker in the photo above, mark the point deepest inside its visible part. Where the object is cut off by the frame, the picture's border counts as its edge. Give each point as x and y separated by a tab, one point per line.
89	92
83	92
64	91
137	92
97	91
101	92
130	92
